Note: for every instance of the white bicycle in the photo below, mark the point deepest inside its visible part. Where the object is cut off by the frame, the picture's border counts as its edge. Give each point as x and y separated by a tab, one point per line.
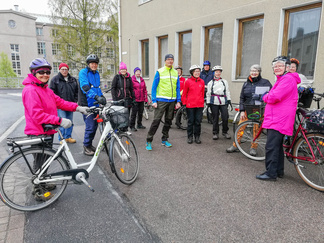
19	177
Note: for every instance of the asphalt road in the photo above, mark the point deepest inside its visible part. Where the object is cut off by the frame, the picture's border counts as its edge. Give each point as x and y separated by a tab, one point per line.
187	193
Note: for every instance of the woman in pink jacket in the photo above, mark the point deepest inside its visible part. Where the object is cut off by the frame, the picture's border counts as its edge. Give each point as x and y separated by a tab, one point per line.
279	116
140	92
193	99
41	106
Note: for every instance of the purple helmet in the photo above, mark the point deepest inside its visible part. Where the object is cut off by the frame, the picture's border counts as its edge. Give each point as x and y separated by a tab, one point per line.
38	63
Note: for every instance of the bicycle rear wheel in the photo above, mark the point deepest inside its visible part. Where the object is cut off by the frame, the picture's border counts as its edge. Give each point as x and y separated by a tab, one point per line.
16	178
182	118
312	173
244	136
124	158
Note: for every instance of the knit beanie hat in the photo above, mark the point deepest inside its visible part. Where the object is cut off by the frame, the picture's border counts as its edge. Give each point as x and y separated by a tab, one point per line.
63	65
168	56
122	65
137	68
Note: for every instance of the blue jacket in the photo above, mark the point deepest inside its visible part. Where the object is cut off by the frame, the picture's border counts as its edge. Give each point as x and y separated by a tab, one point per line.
90	87
206	76
155	84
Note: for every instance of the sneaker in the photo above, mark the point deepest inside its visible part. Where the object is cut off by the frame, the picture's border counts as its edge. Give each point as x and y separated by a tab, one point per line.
226	135
253	152
215	137
93	148
70	140
166	144
133	129
43	196
140	127
128	133
148	146
232	149
87	150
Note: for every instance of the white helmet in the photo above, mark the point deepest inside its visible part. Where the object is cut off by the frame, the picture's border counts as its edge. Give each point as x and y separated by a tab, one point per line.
194	67
217	67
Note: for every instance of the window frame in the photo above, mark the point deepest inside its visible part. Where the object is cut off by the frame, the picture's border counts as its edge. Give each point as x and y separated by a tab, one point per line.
160	49
145	72
207	29
42	48
180	46
240	43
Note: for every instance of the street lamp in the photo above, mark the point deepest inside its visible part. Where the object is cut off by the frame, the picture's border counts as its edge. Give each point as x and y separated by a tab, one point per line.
44	50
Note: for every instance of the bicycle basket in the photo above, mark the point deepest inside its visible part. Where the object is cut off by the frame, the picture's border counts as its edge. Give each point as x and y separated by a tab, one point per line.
118	117
316	121
254	112
306	99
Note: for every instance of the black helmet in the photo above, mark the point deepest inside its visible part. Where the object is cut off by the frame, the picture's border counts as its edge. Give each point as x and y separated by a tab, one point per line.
284	59
92	58
178	67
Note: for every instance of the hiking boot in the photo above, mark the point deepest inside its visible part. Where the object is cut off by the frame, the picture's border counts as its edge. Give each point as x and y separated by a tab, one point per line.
190	140
226	135
232	149
93	148
253	152
166	144
215	137
87	150
42	196
70	140
133	129
197	140
148	146
140	126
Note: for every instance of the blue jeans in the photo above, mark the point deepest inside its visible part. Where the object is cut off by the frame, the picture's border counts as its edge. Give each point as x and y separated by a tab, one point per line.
66	132
90	129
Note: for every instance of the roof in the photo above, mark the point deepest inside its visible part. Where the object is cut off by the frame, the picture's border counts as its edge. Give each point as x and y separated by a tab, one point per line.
26	15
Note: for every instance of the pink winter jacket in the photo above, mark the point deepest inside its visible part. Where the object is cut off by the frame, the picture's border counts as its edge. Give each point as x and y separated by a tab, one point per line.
281	104
41	106
140	90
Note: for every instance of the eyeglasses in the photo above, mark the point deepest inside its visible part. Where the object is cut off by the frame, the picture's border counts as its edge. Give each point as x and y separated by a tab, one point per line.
44	72
278	66
64	69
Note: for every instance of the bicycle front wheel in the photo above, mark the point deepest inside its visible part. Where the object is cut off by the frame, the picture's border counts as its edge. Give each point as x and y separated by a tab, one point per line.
124	158
145	113
312	172
16	178
244	135
182	118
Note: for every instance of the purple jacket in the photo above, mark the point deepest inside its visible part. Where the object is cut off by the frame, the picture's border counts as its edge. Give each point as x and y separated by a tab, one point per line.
139	90
41	106
281	104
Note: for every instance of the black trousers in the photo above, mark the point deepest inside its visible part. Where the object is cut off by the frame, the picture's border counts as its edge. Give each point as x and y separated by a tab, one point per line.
274	162
194	121
166	109
137	109
224	114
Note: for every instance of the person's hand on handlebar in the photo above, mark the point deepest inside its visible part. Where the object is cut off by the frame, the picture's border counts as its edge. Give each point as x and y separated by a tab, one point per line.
66	123
83	109
243	115
101	99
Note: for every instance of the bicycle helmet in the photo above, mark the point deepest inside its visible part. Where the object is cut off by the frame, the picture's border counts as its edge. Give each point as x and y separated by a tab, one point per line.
193	68
294	60
38	63
206	63
217	67
92	58
281	59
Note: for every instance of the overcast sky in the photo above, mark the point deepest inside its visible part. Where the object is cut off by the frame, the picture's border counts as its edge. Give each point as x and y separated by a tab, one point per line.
29	6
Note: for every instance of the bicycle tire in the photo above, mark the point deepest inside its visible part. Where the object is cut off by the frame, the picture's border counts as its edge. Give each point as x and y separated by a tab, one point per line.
125	168
17	188
244	136
182	118
311	173
235	121
145	113
101	126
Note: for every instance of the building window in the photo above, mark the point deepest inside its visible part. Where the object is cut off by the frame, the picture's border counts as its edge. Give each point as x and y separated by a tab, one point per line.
56	67
15	58
145	57
163	48
39	31
300	36
249	45
100	68
41	48
110	52
213	44
185	40
71	51
109	39
56	49
98	51
54	32
111	68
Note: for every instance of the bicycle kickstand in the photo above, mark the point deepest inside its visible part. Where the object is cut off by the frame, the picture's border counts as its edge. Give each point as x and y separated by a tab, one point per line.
80	177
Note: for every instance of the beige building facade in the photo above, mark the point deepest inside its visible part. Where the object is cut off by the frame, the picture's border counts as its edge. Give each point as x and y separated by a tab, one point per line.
234	34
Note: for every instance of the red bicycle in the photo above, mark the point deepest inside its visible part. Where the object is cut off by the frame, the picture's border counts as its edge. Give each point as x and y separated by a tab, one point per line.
304	149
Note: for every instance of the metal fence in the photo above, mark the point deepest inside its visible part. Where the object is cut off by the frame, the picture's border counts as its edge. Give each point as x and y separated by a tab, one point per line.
11	82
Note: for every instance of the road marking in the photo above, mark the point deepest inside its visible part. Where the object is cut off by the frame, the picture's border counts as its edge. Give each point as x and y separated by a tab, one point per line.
11	129
15	94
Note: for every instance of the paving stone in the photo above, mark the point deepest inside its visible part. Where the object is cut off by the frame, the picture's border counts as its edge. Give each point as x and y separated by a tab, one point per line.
3	236
17	221
15	236
4	220
3	227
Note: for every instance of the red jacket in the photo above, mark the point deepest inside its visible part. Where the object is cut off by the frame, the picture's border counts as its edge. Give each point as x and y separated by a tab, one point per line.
182	82
139	89
41	106
193	93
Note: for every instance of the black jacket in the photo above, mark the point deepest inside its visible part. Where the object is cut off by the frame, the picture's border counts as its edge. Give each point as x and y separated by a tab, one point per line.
67	90
122	87
248	89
